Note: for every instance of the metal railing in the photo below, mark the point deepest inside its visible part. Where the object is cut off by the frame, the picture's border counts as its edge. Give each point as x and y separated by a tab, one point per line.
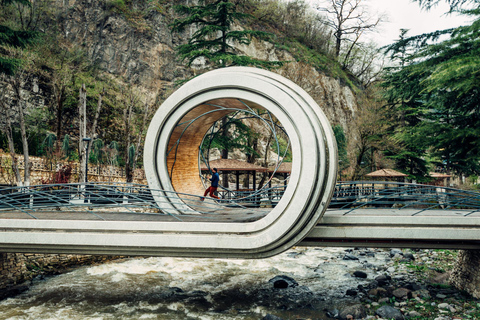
114	197
371	194
134	198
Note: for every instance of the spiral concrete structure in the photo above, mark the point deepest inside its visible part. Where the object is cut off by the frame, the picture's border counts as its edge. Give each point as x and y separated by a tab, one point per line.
171	161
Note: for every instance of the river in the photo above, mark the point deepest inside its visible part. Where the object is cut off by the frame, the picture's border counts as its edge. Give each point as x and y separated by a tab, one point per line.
183	288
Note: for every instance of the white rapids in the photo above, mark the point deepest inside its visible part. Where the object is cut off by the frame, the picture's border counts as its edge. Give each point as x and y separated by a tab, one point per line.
181	288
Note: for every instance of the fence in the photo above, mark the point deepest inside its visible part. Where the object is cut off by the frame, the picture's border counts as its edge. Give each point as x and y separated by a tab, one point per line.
42	168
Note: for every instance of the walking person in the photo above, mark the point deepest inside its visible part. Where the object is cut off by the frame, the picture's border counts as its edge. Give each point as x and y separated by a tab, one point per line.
214	185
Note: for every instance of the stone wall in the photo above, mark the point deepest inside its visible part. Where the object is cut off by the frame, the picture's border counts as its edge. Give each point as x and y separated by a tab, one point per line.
42	170
16	269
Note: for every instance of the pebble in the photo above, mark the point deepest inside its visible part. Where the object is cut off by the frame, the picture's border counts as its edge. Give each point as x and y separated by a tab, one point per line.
414	314
391	269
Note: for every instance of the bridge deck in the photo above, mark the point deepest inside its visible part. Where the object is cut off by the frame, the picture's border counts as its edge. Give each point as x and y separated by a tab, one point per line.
46	221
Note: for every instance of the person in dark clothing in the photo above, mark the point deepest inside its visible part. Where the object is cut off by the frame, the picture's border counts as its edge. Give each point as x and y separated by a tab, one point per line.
214	185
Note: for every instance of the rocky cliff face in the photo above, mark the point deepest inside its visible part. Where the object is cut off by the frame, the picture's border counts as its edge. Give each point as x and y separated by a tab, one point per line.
138	49
143	54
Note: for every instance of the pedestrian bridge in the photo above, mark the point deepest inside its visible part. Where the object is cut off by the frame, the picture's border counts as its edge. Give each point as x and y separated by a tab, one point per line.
167	218
125	219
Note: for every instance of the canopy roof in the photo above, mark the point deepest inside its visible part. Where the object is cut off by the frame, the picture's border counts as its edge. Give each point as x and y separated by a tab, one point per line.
439	175
386	173
232	165
285	167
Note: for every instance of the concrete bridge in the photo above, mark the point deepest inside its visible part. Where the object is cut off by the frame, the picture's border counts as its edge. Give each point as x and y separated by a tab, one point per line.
126	220
167	218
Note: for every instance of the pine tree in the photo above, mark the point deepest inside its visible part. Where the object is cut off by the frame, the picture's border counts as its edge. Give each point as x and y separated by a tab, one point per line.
214	36
437	91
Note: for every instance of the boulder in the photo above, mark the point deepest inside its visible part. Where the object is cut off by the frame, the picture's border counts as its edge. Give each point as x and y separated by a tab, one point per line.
350	256
382	279
388	312
360	274
394	252
351	292
283	282
356	311
402	293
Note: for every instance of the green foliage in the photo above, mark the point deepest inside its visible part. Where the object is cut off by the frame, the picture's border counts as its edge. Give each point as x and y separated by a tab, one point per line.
66	145
212	39
131	154
97	155
224	139
342	147
435	91
284	149
10	38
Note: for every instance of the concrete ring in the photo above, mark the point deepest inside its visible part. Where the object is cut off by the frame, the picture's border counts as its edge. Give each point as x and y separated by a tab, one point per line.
314	166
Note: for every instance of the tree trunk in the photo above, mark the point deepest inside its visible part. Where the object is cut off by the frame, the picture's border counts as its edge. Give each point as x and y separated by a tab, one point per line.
60	93
11	146
17	87
82	126
127	117
95	120
140	135
466	272
26	157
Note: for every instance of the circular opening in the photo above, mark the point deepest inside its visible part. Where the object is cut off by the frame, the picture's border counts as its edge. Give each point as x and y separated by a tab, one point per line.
245	142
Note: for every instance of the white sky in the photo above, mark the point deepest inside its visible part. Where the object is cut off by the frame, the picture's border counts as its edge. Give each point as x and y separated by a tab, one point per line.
403	14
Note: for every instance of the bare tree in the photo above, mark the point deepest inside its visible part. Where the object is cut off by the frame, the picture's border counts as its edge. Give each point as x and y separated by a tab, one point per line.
141	133
15	112
82	126
349	20
371	124
130	101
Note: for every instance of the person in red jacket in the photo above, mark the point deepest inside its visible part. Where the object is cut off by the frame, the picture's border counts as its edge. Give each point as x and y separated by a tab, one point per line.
214	185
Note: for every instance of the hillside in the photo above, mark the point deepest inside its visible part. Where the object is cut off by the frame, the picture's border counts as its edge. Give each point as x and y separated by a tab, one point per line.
124	52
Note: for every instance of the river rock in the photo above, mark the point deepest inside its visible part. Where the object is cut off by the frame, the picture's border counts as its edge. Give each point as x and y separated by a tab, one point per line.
382	279
360	274
389	312
402	293
283	282
409	256
414	314
350	256
381	292
289	298
394	252
351	292
412	286
356	311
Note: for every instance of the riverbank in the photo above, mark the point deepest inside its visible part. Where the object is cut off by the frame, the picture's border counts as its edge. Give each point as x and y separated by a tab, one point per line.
17	270
410	285
302	283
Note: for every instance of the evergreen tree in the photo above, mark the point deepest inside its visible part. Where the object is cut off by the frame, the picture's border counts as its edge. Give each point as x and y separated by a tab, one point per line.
10	38
436	90
214	36
342	148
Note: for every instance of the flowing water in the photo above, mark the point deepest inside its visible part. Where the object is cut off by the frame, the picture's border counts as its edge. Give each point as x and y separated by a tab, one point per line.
181	288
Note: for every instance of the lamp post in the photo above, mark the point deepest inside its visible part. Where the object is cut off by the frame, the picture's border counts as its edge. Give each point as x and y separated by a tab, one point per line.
87	140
